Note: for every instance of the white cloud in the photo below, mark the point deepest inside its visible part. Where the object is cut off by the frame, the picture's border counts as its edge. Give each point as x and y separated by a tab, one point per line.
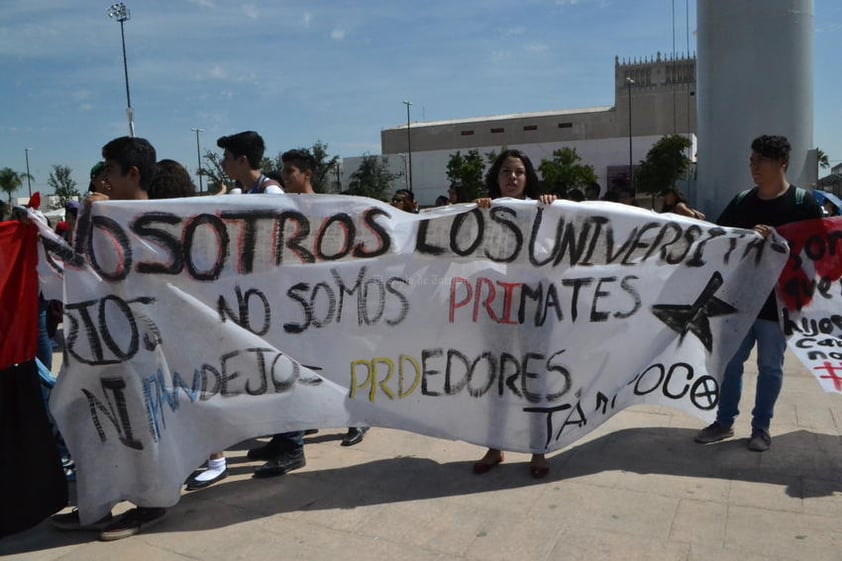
217	72
828	27
337	34
536	48
81	95
308	20
86	107
250	10
203	3
519	30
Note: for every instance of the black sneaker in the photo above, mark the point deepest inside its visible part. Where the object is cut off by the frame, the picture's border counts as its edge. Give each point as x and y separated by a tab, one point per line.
285	462
714	432
69	522
759	441
132	522
354	436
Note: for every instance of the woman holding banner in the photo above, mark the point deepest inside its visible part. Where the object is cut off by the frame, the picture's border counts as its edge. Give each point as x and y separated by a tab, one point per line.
512	176
675	202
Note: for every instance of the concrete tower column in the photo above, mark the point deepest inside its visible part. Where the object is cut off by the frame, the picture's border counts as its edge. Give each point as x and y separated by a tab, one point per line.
755	76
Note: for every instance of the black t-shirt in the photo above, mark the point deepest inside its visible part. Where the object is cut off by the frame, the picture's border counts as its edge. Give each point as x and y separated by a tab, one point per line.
749	210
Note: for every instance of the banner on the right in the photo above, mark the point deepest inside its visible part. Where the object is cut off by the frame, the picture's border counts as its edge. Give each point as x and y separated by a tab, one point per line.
810	297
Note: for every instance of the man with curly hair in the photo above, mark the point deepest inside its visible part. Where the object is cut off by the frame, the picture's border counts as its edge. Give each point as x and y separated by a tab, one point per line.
772	202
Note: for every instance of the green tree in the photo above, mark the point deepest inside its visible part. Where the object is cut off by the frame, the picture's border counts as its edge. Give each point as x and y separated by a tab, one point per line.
665	163
10	180
325	166
213	172
824	161
372	179
269	165
466	174
63	185
566	171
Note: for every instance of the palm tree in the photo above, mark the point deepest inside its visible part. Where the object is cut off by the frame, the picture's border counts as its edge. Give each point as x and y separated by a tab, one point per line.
10	180
824	162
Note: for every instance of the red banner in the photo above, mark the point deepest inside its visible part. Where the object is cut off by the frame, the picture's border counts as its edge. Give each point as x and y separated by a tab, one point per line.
18	293
815	261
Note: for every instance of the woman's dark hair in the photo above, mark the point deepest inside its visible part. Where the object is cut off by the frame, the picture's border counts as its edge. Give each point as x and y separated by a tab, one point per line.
171	181
611	196
677	193
679	198
532	189
406	192
575	195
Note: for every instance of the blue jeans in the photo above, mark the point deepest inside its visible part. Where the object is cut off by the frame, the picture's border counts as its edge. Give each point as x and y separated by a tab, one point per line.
45	347
289	441
771	345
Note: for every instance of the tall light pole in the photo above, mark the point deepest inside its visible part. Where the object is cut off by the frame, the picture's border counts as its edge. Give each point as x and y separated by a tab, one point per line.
121	13
338	169
408	143
629	83
199	156
28	177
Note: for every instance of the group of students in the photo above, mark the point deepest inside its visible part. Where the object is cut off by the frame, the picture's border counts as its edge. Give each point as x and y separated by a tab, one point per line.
130	171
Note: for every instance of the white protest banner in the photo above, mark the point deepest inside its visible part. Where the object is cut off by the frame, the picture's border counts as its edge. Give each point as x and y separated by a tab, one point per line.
194	324
810	298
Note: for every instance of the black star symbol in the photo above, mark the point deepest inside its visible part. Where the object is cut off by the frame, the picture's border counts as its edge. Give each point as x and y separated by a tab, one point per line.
695	317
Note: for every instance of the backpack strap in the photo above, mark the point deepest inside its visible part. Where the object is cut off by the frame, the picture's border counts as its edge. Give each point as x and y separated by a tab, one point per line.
800	195
744	194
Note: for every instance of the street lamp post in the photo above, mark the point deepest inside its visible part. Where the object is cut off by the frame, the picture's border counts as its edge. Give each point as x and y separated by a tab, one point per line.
28	176
199	156
408	144
338	169
629	83
121	13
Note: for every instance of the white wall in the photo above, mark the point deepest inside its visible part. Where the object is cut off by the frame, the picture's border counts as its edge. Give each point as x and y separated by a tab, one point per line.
429	169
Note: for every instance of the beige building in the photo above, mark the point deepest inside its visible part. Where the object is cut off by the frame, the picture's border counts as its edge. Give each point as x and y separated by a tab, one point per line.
662	103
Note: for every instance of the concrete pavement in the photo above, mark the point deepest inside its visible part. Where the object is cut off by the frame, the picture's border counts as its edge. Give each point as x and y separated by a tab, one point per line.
637	488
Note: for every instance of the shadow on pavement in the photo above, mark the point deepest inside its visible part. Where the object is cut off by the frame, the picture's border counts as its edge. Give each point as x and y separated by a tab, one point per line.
807	464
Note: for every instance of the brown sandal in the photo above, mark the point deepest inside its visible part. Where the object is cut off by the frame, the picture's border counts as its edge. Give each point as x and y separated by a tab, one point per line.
539	472
481	467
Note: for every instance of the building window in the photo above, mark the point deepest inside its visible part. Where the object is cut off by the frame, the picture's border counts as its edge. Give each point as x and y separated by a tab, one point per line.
497	130
467	133
565	125
530	127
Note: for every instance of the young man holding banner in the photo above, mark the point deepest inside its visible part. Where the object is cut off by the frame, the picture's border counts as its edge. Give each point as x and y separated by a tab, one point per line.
299	167
130	165
285	452
773	202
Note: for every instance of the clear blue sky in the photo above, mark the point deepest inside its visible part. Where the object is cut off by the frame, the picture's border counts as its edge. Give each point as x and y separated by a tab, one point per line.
336	71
